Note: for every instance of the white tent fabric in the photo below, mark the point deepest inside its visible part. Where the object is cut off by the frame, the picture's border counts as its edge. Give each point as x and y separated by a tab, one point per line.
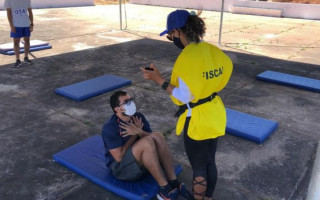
194	4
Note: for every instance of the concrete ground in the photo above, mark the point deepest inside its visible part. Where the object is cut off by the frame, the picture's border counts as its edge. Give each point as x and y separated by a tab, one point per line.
87	42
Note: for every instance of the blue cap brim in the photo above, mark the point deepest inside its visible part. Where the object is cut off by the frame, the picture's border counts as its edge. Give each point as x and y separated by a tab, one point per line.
164	32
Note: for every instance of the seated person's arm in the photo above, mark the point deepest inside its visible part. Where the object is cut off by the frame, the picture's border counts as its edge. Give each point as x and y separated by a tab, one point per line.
119	152
133	129
143	133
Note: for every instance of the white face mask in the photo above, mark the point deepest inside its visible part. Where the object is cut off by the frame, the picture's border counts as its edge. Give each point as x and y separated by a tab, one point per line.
130	108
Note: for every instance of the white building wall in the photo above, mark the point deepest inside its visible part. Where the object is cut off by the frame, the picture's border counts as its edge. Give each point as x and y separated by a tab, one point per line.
292	10
55	3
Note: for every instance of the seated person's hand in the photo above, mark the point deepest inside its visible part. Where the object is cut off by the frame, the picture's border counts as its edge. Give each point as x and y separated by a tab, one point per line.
137	121
130	129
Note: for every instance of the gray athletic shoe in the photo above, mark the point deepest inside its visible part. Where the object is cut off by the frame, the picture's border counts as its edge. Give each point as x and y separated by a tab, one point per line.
17	64
26	60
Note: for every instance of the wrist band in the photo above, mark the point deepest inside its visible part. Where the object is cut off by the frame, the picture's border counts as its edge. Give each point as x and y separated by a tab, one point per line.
165	85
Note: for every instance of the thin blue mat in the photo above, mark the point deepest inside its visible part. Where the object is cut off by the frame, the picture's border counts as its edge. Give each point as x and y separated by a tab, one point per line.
87	158
249	127
93	87
290	80
37	48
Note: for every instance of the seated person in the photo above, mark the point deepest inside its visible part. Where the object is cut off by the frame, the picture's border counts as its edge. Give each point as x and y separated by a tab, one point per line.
134	150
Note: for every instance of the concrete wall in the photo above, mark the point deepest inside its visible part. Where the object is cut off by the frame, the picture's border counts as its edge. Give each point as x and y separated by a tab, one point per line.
55	3
292	10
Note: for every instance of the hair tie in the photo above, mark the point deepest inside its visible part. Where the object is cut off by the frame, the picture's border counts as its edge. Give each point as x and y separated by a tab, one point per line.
193	13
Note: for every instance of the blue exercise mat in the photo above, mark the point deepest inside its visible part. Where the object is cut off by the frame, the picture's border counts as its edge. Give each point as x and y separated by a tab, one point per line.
87	158
290	80
37	48
93	87
33	43
249	127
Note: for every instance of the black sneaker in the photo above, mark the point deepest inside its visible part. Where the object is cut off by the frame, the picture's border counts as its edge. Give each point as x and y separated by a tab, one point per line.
17	64
26	60
172	195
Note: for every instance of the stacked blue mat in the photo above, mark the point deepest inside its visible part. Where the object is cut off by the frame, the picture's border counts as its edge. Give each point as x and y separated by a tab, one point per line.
249	127
92	87
290	80
87	158
35	45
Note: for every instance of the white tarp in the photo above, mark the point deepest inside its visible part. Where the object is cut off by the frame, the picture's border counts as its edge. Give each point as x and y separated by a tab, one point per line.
56	3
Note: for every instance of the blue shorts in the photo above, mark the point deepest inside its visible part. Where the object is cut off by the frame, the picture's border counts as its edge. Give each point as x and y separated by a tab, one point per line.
21	32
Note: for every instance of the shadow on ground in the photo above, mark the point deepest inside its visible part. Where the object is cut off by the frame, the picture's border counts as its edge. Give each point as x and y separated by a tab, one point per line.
37	123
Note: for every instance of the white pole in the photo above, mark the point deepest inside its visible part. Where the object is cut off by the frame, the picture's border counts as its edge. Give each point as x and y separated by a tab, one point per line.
221	20
120	14
314	186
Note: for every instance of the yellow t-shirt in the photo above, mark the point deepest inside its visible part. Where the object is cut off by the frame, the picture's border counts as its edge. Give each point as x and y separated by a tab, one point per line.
205	69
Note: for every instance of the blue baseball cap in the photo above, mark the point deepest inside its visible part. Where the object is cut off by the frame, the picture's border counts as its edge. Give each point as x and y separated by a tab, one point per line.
176	19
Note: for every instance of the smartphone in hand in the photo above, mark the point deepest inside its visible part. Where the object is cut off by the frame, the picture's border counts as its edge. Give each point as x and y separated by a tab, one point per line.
149	68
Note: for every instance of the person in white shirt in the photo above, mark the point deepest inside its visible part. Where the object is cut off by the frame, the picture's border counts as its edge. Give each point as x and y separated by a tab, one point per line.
20	18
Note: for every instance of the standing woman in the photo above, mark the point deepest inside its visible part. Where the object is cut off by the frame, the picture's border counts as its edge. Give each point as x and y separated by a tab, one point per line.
199	72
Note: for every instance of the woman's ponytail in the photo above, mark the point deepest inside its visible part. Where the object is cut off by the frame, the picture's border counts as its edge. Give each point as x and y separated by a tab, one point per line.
195	28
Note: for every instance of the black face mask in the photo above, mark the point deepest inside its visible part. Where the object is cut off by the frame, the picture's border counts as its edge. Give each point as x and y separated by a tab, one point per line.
178	43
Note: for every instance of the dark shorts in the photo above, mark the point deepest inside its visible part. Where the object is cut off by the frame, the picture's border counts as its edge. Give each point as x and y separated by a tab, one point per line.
21	32
128	169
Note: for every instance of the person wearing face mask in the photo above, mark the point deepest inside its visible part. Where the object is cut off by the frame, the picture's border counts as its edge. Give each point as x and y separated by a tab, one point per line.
133	150
200	71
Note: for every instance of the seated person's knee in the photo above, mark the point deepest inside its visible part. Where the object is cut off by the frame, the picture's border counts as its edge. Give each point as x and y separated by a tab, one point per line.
146	142
157	136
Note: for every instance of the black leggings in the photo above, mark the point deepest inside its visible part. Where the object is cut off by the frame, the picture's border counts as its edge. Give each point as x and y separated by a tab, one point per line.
201	155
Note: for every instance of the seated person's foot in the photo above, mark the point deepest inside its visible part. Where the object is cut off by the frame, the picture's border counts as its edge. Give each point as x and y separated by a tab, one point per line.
26	60
167	193
17	64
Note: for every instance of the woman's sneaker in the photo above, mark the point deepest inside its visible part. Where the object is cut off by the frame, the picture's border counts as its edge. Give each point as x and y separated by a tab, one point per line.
26	60
172	195
185	192
17	64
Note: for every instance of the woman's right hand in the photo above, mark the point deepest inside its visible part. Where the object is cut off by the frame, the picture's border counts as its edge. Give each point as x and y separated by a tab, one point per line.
153	75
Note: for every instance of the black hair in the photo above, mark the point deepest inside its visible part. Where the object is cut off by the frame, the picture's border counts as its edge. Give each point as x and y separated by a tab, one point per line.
114	99
195	28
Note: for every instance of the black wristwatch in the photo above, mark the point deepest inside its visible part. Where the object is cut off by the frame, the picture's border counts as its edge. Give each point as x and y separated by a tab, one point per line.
165	85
